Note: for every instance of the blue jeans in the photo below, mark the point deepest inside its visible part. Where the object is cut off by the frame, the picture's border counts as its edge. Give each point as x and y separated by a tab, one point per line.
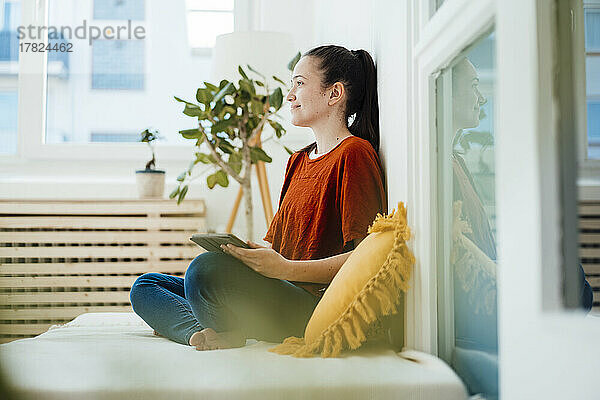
222	293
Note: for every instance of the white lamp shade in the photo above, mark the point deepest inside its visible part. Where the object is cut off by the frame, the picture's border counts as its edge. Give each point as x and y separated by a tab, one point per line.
267	52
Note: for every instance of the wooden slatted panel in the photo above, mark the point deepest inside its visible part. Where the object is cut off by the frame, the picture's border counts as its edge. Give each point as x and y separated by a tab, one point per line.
132	267
31	236
67	281
62	258
56	297
56	313
99	251
589	246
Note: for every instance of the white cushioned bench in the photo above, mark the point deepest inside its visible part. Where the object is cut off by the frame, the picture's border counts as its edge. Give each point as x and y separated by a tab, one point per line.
116	355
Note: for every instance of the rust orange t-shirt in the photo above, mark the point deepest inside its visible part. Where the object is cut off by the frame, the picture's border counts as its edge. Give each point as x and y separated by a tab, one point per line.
327	202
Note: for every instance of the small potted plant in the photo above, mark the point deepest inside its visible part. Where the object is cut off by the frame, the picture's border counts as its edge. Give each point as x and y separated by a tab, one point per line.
150	181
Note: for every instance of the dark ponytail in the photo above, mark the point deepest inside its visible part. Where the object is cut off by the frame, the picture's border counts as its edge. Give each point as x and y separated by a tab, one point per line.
356	71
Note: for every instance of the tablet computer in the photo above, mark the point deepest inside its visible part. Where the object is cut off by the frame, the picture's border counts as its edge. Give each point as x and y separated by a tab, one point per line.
213	241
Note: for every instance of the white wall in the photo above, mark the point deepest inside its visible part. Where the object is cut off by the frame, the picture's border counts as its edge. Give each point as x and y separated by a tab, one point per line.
373	26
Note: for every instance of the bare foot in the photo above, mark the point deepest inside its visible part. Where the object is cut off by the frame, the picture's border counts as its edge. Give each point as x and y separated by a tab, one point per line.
208	339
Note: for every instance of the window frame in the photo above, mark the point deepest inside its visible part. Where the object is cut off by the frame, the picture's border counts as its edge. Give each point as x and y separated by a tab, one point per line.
436	42
32	95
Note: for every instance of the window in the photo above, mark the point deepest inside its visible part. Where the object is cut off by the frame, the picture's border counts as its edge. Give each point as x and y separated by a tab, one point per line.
467	304
206	19
8	122
592	66
105	88
10	19
119	9
108	89
118	64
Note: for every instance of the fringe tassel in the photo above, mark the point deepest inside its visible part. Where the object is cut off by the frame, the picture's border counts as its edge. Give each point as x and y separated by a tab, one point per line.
379	296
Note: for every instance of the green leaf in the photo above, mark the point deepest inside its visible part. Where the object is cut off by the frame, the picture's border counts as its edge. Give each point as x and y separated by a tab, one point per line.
289	151
244	97
191	133
252	123
221	177
294	61
242	73
221	126
183	101
246	85
211	87
192	110
258	154
256	107
205	158
279	80
211	180
182	194
204	96
174	193
229	88
276	98
259	83
181	176
256	72
279	129
231	110
235	162
218	108
226	147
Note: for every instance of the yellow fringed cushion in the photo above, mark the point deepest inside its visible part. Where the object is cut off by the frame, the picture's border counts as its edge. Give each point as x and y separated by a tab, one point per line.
365	288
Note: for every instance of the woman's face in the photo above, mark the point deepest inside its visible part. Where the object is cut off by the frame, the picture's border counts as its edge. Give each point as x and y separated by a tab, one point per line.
308	100
466	98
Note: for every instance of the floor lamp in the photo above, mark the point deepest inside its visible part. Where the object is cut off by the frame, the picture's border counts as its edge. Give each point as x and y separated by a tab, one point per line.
268	53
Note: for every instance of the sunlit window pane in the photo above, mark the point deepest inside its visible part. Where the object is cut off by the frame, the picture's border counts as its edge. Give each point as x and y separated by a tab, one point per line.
8	122
203	27
110	90
118	64
10	19
119	9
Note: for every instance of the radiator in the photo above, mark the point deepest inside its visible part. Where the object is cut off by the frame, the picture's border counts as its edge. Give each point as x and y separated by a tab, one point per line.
60	259
589	246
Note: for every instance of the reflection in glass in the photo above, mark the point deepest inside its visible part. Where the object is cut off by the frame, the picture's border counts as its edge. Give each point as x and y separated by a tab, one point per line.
467	304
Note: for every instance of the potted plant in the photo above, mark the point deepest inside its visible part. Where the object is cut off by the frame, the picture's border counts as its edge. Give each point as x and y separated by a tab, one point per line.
150	181
230	120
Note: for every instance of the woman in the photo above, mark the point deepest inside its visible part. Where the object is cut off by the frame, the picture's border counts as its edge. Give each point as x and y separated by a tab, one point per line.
332	191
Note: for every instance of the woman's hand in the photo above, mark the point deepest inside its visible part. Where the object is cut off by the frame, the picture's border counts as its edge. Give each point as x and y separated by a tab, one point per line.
263	260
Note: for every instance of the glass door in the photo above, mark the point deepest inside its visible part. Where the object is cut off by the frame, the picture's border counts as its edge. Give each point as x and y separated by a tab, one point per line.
466	254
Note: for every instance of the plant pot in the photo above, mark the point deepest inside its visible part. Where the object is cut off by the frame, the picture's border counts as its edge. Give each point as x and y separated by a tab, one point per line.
150	183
